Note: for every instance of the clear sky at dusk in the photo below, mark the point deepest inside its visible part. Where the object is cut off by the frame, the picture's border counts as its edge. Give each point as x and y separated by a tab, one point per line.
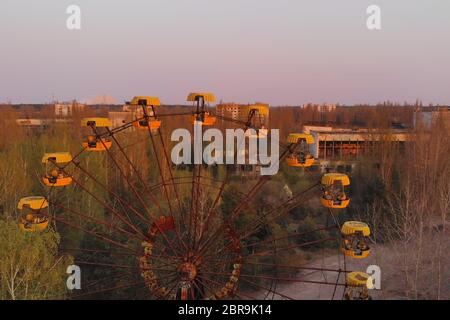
276	51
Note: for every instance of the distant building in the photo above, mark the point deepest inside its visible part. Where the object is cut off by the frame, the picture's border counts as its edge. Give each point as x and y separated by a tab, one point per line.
325	107
241	112
41	123
129	108
119	118
67	109
338	143
427	116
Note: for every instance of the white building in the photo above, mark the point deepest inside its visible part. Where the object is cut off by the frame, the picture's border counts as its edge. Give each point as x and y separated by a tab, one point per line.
324	107
67	109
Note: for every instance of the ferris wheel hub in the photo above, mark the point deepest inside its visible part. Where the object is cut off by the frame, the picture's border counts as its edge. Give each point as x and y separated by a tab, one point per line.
187	271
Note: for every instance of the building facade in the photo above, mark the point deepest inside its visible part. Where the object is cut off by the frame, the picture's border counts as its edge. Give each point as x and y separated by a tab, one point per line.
324	107
67	109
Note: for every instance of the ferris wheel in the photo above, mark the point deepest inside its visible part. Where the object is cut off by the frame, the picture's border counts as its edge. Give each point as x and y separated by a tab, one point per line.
196	232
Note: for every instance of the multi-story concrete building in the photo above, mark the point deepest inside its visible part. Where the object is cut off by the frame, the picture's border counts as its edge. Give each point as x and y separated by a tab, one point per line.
342	147
324	107
338	143
428	116
119	118
67	109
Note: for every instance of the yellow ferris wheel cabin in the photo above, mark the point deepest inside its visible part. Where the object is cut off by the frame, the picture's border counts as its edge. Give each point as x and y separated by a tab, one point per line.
34	203
259	108
196	96
333	186
357	279
150	122
145	101
54	175
303	157
91	142
355	239
357	286
32	218
96	145
97	122
200	113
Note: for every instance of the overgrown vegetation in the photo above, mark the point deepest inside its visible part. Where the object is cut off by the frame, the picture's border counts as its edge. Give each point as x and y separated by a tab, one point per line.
403	194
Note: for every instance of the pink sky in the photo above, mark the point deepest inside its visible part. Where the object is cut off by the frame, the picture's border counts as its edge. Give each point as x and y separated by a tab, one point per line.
280	52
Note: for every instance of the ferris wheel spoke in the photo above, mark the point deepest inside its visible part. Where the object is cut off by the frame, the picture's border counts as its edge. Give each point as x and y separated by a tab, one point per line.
137	235
305	244
174	281
205	286
164	260
152	197
158	161
214	233
197	202
294	267
112	265
118	167
125	286
247	262
97	235
192	205
211	241
249	196
253	191
268	290
281	279
165	191
72	161
212	209
166	281
267	252
96	251
109	278
231	120
241	295
212	254
279	211
199	290
336	286
168	257
104	204
294	235
125	203
99	252
169	167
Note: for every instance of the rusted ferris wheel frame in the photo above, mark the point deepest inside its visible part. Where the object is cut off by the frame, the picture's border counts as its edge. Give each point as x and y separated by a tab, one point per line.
197	184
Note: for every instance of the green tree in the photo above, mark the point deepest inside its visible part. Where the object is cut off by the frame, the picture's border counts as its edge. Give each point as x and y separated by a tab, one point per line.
30	267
